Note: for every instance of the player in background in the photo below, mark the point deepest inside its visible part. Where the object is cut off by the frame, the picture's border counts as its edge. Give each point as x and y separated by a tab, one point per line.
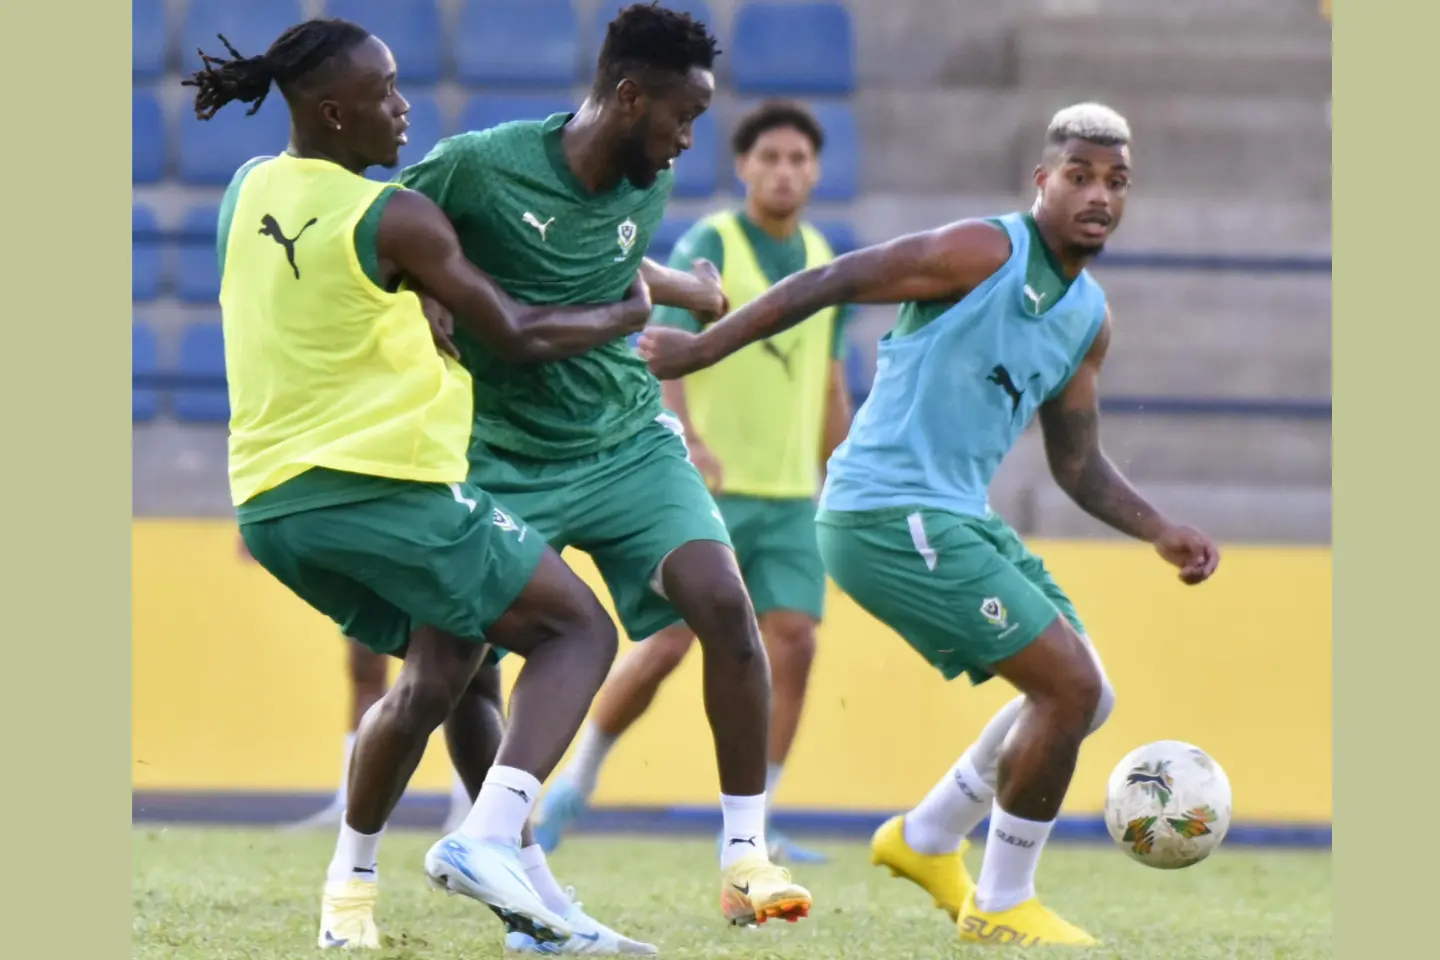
760	427
561	211
368	681
350	421
999	322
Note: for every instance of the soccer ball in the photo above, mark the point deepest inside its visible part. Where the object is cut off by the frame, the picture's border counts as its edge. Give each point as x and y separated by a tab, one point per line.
1168	805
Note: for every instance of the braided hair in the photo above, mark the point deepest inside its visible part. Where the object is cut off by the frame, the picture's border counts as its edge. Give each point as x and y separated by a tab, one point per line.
295	53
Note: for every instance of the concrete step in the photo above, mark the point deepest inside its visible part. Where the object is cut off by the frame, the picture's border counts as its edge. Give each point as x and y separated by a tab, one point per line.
180	470
1157	54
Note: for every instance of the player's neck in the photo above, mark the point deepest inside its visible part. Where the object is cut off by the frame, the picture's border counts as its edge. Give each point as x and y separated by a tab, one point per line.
1069	261
583	141
307	148
779	226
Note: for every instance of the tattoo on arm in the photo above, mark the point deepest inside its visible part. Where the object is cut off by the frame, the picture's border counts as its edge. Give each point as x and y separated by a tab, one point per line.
1086	474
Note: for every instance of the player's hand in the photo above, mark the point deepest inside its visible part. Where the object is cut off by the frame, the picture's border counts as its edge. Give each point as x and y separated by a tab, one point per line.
442	324
705	271
671	353
708	464
1195	554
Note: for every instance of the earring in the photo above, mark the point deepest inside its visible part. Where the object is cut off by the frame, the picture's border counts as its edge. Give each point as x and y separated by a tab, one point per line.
337	128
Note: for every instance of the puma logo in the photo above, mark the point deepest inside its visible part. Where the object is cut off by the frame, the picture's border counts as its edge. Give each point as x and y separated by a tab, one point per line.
734	841
769	347
519	793
1035	298
270	228
1001	378
534	221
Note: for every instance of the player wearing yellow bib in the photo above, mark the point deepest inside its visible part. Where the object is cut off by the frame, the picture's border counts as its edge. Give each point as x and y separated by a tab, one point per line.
759	426
348	461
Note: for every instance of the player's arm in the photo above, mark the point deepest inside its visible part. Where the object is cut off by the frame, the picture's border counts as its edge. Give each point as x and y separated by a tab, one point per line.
942	264
1070	422
698	291
417	238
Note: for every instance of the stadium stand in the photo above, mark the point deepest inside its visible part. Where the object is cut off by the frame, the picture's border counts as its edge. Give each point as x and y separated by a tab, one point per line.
518	43
202	358
412	29
793	48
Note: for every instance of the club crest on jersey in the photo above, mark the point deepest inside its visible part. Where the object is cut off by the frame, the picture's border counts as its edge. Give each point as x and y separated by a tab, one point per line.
993	610
503	521
625	235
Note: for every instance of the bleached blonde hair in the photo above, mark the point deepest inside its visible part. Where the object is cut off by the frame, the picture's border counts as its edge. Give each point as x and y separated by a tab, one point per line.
1092	122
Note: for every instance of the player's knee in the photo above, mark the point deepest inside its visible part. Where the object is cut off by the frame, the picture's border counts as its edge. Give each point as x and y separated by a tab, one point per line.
790	638
731	620
423	700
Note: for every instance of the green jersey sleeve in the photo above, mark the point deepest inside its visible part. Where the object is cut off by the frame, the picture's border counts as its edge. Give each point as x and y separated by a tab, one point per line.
448	174
844	314
700	242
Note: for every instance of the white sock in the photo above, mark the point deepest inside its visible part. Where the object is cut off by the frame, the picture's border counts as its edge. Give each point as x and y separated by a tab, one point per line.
459	796
1012	852
506	799
343	789
953	807
355	856
590	754
544	882
744	829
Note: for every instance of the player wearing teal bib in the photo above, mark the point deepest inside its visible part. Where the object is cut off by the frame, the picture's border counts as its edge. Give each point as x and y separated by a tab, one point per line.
999	322
561	211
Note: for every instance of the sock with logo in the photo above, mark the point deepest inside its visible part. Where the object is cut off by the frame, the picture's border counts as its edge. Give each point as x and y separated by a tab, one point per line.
341	790
532	858
355	856
590	753
506	799
953	807
744	829
1012	852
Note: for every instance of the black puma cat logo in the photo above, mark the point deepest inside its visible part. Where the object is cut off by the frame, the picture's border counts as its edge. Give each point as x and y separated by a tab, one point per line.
769	347
1002	379
270	228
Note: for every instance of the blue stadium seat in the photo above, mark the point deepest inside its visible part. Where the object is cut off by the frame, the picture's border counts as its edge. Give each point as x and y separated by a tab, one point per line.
250	26
212	150
857	374
662	244
840	162
146	272
840	233
488	110
427	128
518	43
410	28
197	278
698	9
202	355
793	48
144	361
697	172
149	43
147	137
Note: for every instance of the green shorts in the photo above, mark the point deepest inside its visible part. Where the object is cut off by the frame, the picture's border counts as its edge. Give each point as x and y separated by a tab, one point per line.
778	555
628	507
963	591
427	554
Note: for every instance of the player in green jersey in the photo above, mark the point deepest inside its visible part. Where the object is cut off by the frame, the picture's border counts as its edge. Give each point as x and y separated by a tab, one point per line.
760	427
348	467
561	211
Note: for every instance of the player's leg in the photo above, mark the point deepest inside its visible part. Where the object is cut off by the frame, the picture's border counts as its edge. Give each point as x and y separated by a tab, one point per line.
941	584
627	694
473	732
367	674
661	543
780	560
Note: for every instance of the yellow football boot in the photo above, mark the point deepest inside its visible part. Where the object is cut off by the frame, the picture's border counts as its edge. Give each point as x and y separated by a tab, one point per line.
754	890
943	876
347	915
1028	925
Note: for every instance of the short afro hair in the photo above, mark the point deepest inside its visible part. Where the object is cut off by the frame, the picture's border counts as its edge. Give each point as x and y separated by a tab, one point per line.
773	115
648	37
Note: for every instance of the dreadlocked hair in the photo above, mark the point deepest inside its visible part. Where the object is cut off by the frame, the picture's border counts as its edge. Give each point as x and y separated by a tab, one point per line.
294	53
646	35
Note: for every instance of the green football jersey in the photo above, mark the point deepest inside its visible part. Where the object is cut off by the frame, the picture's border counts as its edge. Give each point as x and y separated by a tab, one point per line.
525	219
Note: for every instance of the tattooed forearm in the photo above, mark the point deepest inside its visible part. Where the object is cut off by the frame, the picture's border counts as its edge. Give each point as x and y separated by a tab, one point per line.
1080	467
787	303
